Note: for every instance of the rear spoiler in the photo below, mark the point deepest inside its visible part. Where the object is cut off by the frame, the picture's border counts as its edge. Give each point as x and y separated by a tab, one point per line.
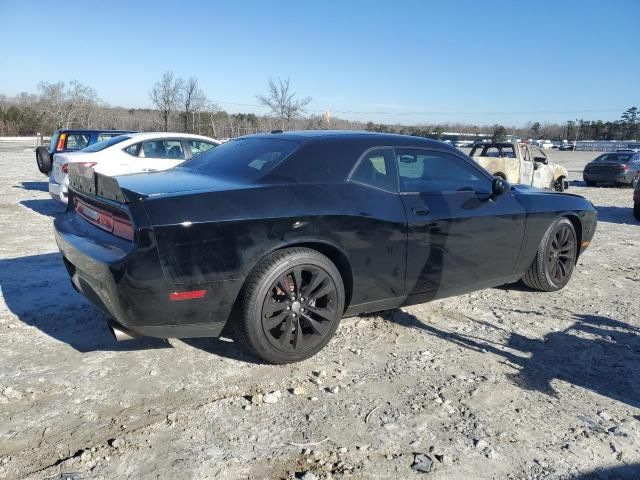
85	180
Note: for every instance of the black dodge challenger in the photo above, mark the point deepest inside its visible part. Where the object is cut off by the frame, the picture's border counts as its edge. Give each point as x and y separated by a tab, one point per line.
284	234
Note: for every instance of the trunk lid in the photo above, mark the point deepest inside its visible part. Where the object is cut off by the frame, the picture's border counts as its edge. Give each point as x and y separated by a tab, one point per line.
138	186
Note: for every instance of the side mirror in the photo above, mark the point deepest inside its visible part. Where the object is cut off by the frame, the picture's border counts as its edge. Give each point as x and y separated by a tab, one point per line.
543	160
499	186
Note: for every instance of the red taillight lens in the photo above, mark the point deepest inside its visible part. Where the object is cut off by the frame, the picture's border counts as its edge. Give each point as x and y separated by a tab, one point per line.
625	167
61	139
118	225
176	296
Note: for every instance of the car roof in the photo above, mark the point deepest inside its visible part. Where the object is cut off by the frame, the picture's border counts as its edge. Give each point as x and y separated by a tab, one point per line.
159	135
91	130
382	139
497	144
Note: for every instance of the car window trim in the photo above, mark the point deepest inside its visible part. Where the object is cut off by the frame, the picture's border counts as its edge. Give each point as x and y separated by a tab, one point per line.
361	158
462	157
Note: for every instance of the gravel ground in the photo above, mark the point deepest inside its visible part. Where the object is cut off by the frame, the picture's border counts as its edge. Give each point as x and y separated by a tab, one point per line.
503	383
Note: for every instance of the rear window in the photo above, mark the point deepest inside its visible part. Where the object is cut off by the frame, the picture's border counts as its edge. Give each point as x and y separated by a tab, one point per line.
615	157
246	159
96	147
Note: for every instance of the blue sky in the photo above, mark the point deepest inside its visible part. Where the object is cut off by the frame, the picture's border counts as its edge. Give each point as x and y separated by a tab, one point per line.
405	62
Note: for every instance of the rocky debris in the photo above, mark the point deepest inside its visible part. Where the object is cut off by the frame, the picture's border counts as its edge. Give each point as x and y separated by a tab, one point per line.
422	463
272	397
309	476
116	443
298	391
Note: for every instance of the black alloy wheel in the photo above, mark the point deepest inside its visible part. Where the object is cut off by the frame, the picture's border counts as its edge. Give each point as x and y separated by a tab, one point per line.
555	260
299	309
561	257
291	305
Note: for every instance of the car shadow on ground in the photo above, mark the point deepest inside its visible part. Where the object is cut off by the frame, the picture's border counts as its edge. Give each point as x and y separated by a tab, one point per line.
38	291
622	472
47	207
597	353
36	186
619	215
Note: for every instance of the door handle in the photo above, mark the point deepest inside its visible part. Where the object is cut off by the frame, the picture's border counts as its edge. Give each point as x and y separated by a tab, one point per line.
421	211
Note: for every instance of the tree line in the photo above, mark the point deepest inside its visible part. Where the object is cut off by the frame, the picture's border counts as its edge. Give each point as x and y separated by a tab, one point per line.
181	105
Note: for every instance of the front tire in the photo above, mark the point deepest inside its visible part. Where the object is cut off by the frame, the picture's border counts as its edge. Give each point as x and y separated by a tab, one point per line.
290	306
556	257
559	184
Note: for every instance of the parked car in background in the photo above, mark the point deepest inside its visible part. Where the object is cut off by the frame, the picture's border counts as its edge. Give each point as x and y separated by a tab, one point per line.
521	163
636	201
129	153
622	168
70	140
567	146
284	234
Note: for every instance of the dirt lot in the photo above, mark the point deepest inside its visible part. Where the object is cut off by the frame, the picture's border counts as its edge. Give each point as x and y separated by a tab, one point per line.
503	383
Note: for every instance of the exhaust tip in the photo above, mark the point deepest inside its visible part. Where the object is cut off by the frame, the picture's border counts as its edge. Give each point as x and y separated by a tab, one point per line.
120	333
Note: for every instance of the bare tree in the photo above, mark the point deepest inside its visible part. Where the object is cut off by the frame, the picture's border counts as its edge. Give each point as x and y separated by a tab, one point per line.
193	100
165	96
282	102
68	106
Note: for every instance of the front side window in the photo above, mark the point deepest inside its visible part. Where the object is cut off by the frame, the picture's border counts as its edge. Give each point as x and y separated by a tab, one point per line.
376	169
427	171
198	146
169	149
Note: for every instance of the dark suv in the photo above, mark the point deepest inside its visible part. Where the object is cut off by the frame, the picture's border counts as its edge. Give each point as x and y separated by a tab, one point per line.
69	140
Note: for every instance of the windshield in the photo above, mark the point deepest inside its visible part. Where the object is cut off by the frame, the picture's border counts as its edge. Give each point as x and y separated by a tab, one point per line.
615	158
248	158
96	147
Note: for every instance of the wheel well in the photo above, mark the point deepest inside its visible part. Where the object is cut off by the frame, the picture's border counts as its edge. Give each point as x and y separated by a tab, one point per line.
577	225
339	259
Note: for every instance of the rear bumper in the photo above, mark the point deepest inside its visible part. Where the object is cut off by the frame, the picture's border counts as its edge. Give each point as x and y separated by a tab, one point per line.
59	192
129	285
608	177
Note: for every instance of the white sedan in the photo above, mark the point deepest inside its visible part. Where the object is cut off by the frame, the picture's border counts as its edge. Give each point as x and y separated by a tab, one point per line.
129	153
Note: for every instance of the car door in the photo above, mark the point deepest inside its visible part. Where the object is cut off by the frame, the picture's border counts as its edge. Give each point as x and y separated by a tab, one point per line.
158	154
460	237
526	165
542	170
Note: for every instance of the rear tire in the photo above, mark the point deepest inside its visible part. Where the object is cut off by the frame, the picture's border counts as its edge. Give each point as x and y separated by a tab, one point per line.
291	306
635	180
43	159
556	257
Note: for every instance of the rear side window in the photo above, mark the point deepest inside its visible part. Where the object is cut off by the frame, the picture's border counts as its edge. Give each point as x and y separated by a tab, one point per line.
376	168
106	136
77	141
246	159
97	147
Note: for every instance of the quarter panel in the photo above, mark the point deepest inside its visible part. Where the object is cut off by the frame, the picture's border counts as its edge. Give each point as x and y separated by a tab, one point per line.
219	236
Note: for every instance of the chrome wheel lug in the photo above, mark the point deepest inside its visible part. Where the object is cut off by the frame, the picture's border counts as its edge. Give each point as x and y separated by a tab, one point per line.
288	307
294	315
302	299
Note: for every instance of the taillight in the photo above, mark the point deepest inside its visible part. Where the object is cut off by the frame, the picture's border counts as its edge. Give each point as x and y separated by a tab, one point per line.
65	167
61	139
119	225
625	167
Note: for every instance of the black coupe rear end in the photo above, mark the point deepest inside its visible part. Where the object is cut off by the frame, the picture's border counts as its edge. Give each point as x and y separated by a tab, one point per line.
282	235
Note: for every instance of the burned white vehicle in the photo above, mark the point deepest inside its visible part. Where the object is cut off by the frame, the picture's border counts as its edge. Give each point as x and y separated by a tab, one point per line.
521	163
